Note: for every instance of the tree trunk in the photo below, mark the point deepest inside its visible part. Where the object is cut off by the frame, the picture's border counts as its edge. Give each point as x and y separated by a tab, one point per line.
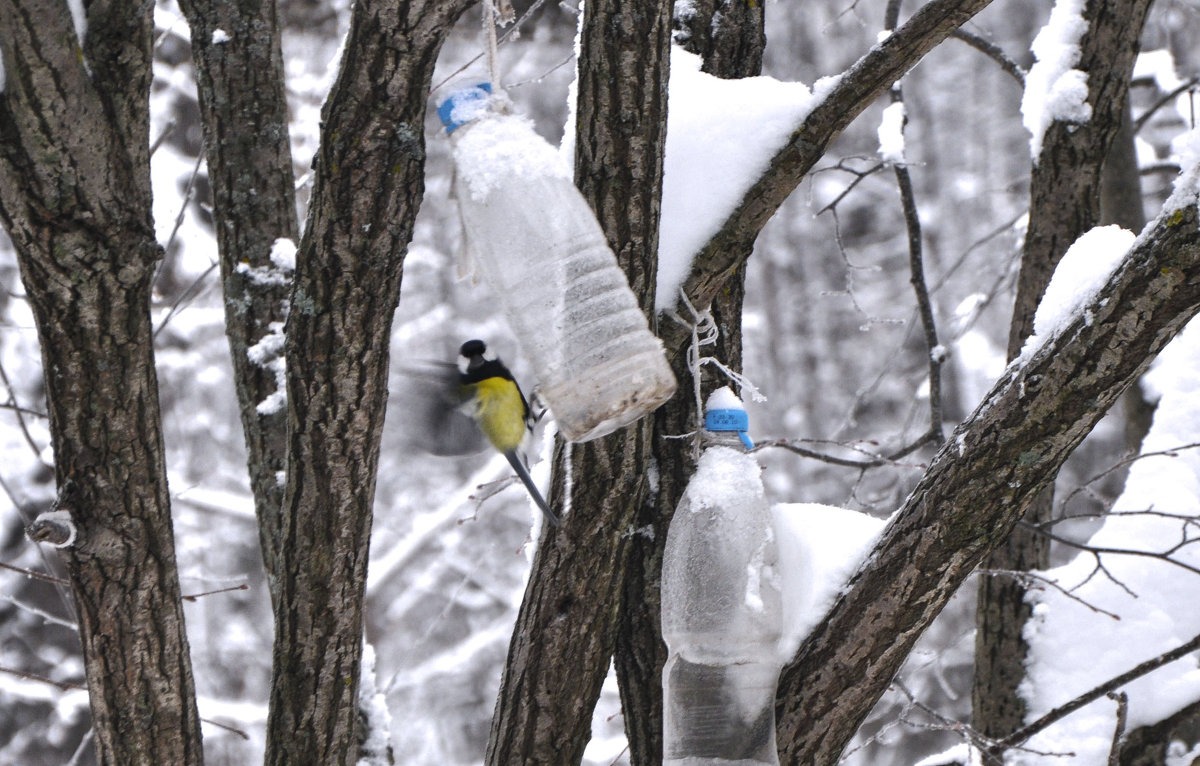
1147	745
981	482
1064	203
244	110
567	626
729	49
75	197
367	189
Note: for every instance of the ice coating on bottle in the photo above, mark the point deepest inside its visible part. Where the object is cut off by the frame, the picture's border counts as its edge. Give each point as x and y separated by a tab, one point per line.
720	587
721	617
535	241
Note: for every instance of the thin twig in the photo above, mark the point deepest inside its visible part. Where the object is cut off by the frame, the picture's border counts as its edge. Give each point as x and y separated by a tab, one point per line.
1062	711
195	596
81	748
18	410
35	575
873	460
992	51
227	727
1027	577
1145	116
1097	550
192	290
50	618
24	410
1122	463
859	177
65	686
503	38
935	354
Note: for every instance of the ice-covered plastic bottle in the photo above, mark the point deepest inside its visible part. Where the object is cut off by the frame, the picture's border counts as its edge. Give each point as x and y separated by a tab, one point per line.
533	239
721	612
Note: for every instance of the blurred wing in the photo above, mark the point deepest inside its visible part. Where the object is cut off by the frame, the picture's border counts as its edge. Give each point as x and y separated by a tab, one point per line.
433	421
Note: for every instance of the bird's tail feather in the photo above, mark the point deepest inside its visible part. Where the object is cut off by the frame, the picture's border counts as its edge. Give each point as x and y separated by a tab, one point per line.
519	466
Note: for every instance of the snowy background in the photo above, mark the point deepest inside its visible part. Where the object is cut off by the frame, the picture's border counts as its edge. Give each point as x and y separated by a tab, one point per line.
831	339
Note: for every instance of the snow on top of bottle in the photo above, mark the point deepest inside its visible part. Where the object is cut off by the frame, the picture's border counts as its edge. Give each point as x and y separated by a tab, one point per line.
724	478
496	148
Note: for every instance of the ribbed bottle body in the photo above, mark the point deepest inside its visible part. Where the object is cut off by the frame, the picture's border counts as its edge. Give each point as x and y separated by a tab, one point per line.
533	239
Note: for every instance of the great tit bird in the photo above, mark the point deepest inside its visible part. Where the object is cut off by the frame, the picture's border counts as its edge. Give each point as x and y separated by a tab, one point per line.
467	408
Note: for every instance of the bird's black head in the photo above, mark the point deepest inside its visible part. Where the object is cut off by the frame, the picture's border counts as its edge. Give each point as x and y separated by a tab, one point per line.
473	348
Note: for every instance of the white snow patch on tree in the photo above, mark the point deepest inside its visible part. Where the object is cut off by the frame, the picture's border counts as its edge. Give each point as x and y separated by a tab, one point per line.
268	354
721	136
283	254
820	548
891	133
1078	278
1054	89
1186	150
376	748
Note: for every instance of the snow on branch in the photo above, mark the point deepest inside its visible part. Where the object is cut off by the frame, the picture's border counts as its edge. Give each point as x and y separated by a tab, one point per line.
840	101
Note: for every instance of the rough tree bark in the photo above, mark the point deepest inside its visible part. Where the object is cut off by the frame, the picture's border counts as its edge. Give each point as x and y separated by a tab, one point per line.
245	117
75	198
981	482
567	625
368	185
1064	203
729	38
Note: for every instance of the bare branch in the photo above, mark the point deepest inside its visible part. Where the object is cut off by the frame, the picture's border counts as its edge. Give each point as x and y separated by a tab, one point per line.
19	412
872	460
992	51
859	177
1129	460
195	596
35	575
1098	550
1062	711
65	686
935	354
1026	577
1145	116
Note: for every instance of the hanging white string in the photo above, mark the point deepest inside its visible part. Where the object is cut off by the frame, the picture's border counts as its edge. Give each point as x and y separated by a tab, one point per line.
491	43
703	327
513	30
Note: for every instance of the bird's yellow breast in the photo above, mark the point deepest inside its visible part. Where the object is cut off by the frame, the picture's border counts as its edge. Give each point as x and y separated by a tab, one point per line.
500	412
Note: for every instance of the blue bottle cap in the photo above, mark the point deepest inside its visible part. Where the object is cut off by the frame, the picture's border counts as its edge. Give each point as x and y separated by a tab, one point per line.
465	105
730	420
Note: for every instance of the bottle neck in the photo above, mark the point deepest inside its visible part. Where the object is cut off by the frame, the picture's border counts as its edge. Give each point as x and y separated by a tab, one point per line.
721	439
